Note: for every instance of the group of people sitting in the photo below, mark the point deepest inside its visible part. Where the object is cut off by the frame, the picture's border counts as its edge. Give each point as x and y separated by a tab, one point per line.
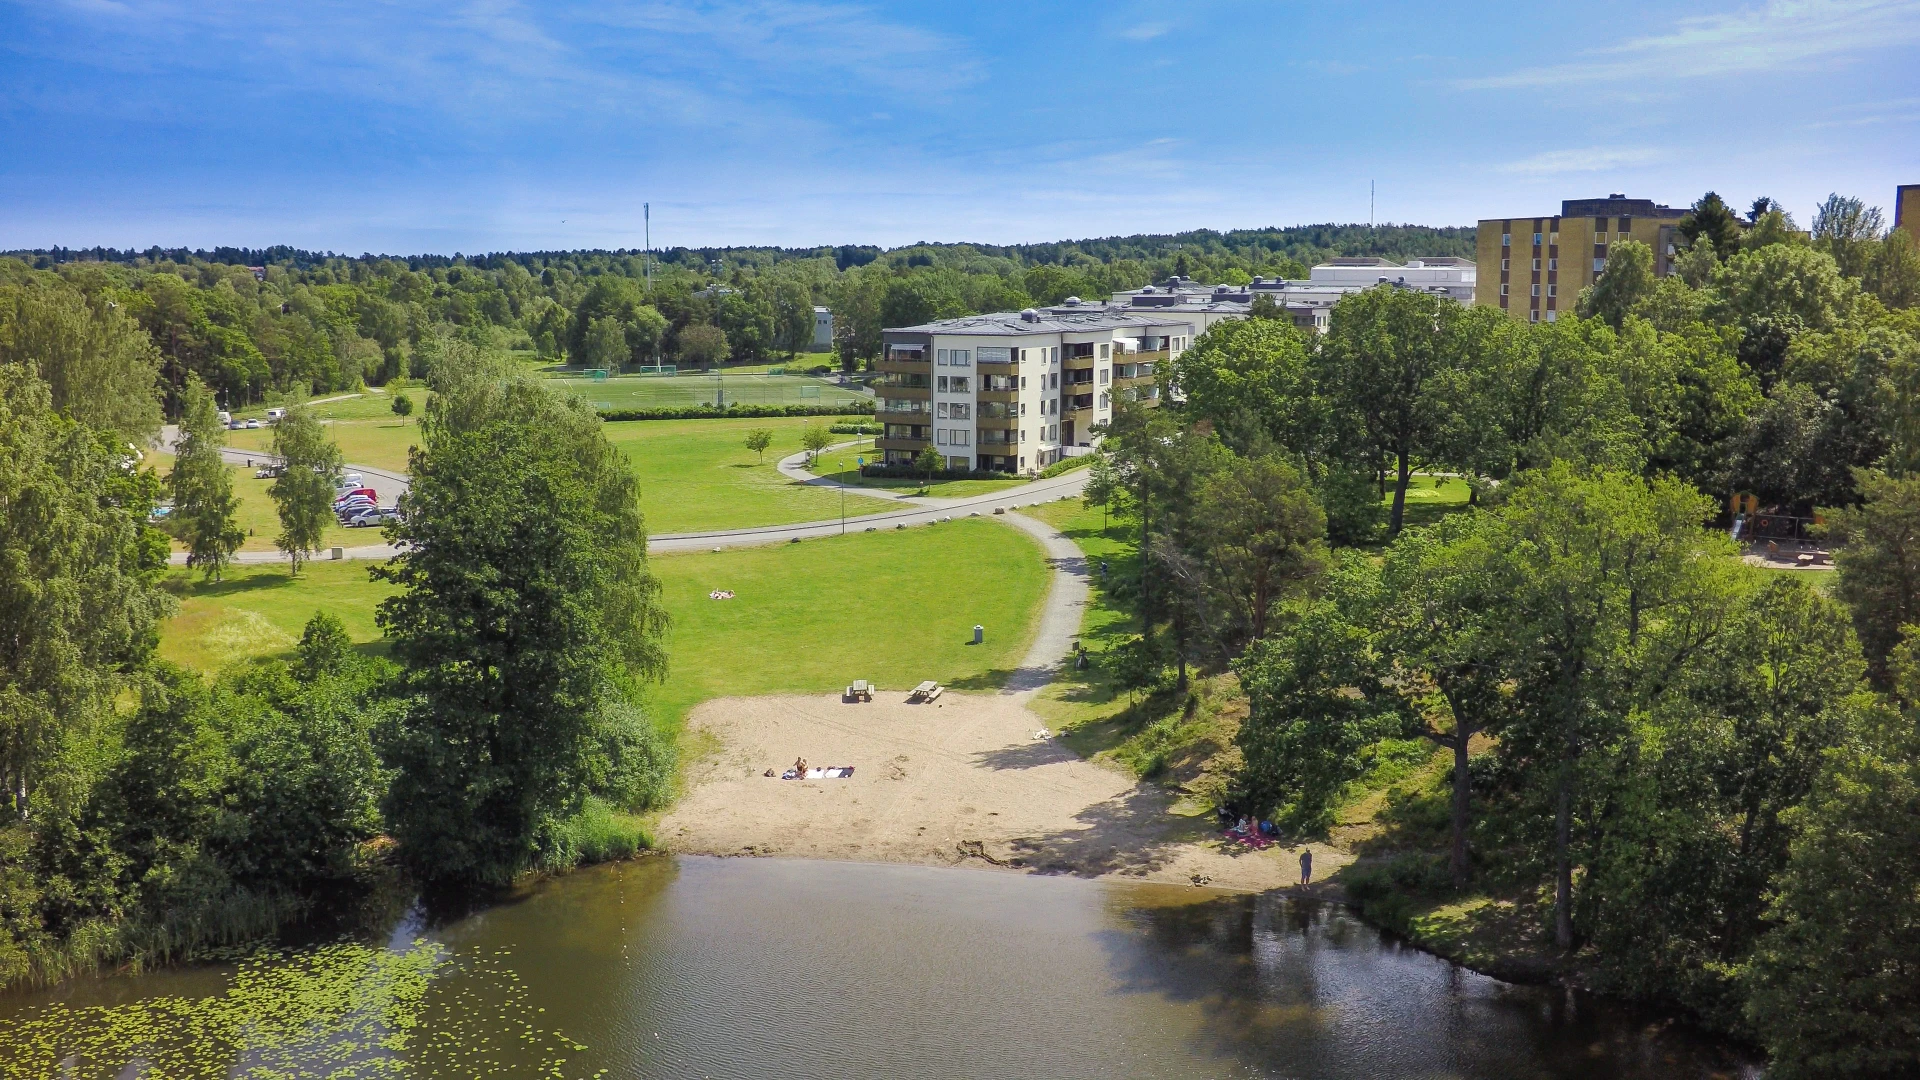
1247	829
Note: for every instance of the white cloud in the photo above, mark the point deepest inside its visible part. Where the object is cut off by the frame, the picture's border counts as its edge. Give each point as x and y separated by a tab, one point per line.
1146	31
1591	159
1782	34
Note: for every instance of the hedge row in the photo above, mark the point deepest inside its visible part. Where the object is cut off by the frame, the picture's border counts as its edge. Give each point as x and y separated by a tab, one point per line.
1066	465
739	411
909	472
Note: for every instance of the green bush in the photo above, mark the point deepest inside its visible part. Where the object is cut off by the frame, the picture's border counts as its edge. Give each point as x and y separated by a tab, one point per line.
596	834
1066	465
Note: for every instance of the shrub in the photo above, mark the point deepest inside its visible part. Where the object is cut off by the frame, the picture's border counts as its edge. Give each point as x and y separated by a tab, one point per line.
910	472
1066	465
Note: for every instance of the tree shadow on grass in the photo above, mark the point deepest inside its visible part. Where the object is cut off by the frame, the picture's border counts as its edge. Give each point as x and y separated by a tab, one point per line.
192	587
991	679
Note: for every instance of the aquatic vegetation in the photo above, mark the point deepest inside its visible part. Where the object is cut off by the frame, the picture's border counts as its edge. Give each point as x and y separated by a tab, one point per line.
343	1012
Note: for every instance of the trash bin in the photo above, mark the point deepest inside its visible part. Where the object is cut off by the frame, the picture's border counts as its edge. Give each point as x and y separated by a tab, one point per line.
979	633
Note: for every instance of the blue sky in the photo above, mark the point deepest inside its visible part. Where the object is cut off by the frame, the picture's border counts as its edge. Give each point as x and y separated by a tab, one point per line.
409	127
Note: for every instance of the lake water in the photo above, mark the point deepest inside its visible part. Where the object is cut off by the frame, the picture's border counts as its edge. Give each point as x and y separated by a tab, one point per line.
695	967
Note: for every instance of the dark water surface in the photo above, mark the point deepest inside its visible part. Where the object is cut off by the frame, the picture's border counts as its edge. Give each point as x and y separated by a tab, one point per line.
697	967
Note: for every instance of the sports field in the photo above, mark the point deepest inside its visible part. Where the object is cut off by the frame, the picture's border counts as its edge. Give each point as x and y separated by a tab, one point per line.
685	391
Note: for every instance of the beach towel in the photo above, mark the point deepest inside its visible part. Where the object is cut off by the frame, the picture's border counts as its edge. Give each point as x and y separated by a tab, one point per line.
833	772
1251	838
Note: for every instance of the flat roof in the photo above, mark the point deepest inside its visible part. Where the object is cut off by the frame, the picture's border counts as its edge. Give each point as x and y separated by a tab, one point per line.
1049	321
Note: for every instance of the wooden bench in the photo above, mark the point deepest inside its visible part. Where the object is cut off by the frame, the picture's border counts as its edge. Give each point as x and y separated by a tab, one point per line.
861	690
925	692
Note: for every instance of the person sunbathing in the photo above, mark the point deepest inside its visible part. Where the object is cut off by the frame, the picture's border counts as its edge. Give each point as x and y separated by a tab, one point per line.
800	768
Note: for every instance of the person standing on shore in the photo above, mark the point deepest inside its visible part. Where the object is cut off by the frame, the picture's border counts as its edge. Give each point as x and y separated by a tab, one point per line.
1306	866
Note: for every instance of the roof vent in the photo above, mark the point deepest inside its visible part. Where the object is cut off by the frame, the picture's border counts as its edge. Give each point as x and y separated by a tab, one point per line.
1618	195
1149	290
1030	315
1073	301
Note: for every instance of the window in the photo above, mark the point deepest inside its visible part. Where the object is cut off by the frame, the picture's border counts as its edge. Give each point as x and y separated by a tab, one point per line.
1055	381
940	357
1534	315
960	437
940	384
1536	239
1506	239
962	411
1503	288
1553	264
1023	408
1105	350
961	384
940	411
1504	262
1599	265
962	358
1536	264
940	436
1104	372
1553	237
1552	315
1536	290
994	356
1056	355
1023	382
1551	290
1023	434
1600	237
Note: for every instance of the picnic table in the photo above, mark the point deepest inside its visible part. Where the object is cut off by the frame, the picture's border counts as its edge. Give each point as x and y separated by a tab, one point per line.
926	692
861	690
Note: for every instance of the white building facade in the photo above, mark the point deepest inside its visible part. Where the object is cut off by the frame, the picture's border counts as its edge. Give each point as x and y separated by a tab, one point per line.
1015	392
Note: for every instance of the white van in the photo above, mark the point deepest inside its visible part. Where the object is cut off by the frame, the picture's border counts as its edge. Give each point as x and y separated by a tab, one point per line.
276	414
349	482
226	418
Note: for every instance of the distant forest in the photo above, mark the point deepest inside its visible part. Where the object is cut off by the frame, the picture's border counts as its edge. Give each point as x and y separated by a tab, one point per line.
259	322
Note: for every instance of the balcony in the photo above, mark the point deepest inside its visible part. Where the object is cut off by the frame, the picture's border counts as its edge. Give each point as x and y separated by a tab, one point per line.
903	365
1004	397
997	423
903	393
912	446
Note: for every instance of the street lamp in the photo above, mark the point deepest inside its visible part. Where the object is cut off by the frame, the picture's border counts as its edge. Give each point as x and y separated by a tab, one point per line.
843	497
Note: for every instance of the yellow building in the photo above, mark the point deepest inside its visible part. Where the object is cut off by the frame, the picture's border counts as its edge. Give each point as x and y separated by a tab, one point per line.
1906	209
1533	268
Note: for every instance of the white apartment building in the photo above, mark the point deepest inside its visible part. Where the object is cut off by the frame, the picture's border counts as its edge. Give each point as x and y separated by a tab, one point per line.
1016	391
1310	301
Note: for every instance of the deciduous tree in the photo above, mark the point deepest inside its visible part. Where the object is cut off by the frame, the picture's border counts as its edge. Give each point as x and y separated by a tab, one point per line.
205	512
303	492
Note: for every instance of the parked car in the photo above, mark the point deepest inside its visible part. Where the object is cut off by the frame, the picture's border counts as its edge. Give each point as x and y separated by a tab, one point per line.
252	425
276	414
353	506
349	482
378	515
367	492
268	472
225	417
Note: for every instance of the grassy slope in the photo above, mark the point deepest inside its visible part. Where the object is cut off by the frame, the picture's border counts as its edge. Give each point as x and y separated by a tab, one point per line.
894	607
698	475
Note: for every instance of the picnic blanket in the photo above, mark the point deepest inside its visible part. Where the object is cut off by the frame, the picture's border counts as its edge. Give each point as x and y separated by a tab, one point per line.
832	772
1251	838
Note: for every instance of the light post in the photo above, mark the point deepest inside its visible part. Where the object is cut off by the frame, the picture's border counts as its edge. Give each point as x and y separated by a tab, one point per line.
843	498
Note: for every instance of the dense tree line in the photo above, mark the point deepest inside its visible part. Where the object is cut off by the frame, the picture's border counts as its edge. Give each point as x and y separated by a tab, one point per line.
1699	772
152	811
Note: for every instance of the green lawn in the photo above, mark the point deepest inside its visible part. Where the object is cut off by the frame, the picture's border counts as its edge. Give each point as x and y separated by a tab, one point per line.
681	391
381	442
944	489
699	476
259	610
894	606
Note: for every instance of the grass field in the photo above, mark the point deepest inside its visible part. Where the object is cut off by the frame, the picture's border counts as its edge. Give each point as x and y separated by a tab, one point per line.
381	443
944	489
259	611
681	391
894	607
698	475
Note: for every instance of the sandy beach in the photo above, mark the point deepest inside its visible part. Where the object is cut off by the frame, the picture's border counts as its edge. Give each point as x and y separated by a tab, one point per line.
961	781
